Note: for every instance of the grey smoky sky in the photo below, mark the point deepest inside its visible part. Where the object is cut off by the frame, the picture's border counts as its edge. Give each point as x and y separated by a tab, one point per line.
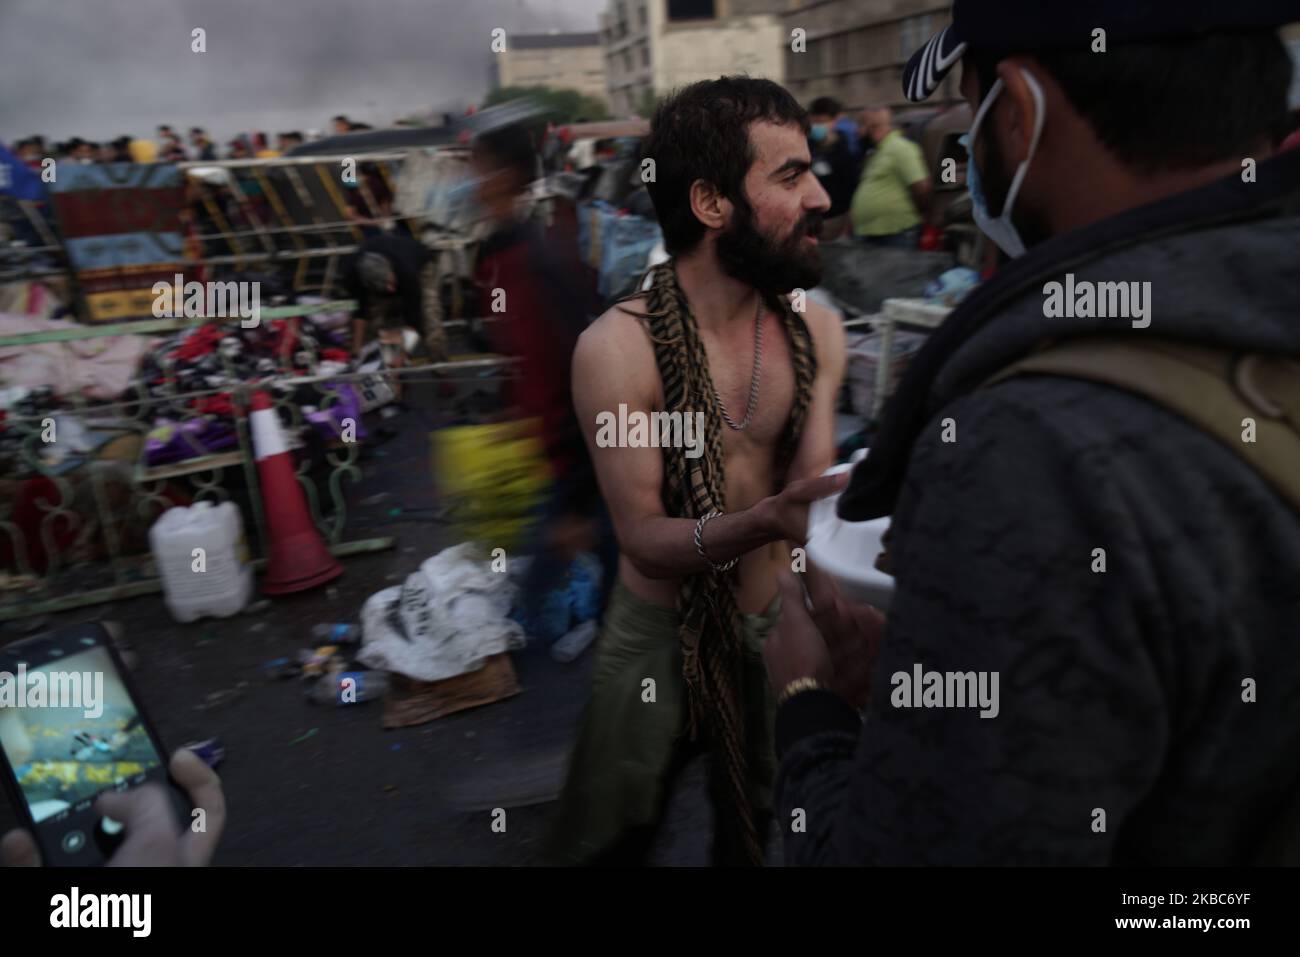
102	68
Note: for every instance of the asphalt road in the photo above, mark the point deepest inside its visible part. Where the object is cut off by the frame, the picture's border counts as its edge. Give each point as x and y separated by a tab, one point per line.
313	785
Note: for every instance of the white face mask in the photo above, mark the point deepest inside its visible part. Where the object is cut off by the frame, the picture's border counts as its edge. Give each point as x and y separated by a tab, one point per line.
1000	229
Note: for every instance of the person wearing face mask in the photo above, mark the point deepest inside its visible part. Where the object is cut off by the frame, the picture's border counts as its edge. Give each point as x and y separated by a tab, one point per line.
1086	514
530	276
834	164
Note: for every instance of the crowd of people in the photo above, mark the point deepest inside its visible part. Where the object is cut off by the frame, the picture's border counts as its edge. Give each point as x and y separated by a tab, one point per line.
1098	752
875	176
1129	731
168	146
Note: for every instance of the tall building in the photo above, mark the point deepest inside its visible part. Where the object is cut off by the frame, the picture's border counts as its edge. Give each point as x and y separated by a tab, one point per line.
855	50
572	61
653	46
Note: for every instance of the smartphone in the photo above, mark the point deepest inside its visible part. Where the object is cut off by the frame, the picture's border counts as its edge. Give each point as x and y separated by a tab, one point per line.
71	728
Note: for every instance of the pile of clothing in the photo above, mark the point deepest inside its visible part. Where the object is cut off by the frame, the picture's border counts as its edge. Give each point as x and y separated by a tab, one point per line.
210	358
29	404
98	368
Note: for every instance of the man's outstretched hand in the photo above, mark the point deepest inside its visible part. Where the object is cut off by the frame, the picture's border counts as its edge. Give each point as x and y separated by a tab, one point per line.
787	512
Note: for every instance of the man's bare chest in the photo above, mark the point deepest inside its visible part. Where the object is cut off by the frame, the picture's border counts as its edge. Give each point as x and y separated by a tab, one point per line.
731	366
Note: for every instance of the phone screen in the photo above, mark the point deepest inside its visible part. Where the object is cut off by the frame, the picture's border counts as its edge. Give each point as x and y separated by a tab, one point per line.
70	730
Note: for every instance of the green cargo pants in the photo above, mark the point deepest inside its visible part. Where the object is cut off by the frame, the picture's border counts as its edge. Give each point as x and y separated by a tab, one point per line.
632	741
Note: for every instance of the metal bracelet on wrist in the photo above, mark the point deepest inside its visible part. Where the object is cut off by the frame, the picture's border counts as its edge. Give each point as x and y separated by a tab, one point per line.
797	686
699	543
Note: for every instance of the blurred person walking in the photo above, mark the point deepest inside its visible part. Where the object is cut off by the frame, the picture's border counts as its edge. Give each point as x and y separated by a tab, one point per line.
543	309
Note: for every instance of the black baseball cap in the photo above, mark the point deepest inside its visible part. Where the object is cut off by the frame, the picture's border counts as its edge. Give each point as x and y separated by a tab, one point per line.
1027	25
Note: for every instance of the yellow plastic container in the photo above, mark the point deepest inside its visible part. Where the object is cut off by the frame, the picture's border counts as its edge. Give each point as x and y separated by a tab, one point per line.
493	477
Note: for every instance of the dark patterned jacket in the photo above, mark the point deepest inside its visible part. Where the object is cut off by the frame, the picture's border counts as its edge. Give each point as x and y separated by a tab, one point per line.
1120	691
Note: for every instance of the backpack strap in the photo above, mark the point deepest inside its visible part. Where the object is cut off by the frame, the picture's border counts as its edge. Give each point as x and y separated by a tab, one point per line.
1214	389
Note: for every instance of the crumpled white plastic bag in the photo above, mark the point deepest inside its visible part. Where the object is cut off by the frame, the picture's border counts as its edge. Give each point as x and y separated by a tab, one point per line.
445	620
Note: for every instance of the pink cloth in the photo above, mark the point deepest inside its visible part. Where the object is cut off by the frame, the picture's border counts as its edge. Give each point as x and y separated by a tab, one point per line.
96	368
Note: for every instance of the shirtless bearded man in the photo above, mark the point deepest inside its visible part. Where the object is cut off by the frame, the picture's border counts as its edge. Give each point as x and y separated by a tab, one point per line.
715	331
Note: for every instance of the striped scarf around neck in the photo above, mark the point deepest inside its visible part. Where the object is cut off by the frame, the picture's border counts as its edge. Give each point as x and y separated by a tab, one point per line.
709	628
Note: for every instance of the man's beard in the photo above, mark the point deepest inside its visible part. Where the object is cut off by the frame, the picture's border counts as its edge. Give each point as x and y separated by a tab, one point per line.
773	268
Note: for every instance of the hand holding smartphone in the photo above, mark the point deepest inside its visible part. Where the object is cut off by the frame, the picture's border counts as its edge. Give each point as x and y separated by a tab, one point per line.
73	740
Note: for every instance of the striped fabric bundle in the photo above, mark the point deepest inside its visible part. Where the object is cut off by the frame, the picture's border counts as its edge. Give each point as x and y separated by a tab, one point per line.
710	631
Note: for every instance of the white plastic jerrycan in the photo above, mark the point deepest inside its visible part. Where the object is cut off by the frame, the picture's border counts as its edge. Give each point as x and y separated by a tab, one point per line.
202	560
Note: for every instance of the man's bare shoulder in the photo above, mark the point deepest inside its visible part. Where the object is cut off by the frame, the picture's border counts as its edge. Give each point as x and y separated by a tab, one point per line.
617	345
619	323
826	326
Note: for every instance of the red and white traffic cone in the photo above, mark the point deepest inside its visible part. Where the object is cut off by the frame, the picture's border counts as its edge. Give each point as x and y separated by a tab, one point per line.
297	558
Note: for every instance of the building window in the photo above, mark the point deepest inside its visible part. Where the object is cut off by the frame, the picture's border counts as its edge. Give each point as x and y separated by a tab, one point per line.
691	10
915	32
810	61
794	68
839	51
641	16
645	54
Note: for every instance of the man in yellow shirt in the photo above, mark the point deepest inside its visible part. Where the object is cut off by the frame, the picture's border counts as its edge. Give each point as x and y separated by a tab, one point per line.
894	191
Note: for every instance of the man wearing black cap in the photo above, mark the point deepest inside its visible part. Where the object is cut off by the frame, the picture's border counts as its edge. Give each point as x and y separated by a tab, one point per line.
1093	472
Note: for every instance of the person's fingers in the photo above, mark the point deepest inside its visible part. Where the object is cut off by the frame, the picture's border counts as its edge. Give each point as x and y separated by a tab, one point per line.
870	622
150	826
133	808
822	590
203	786
810	490
192	773
18	849
863	619
829	611
792	597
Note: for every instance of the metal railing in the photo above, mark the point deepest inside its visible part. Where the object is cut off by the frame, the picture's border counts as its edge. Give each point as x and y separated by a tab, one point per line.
81	483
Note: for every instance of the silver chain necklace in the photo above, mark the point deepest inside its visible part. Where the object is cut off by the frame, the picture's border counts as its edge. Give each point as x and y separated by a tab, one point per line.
754	377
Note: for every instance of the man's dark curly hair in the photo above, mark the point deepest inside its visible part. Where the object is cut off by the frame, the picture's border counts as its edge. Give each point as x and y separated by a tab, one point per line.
701	132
